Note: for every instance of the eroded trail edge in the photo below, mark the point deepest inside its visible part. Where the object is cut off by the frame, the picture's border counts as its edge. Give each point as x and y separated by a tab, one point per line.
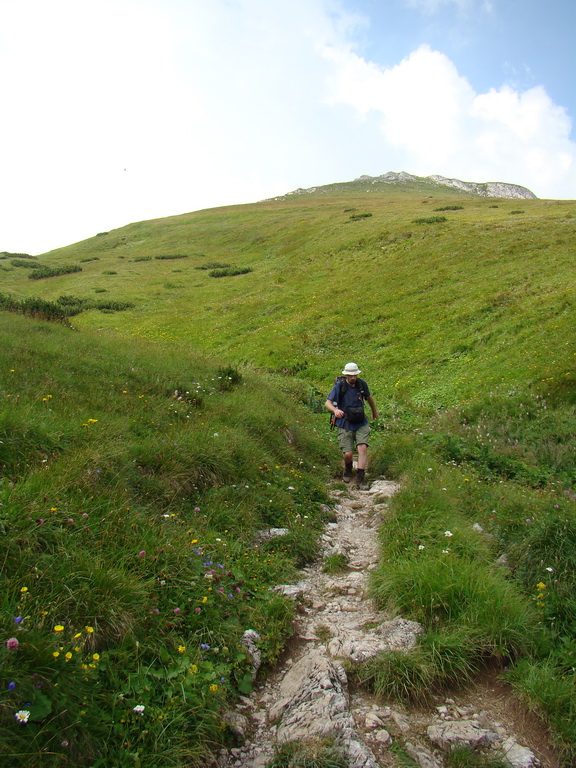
308	698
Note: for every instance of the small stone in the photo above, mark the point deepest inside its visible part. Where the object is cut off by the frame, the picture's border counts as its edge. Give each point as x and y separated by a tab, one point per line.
383	737
372	721
401	721
422	756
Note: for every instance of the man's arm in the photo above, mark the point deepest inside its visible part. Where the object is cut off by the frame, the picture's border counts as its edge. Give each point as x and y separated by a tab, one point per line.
372	404
334	409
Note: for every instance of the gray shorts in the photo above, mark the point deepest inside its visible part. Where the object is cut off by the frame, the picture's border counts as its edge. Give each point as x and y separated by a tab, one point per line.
347	437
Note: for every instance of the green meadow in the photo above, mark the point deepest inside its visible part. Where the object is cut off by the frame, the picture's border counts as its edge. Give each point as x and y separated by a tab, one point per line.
162	387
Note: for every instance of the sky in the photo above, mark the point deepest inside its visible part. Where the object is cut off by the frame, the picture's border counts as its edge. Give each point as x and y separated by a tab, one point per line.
117	111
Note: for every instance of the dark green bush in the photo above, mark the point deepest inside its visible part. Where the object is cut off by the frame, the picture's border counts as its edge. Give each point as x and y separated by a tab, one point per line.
45	310
28	264
430	220
39	274
358	216
229	271
213	265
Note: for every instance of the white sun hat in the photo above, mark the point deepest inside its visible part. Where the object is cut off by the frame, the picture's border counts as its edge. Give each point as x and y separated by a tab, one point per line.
351	369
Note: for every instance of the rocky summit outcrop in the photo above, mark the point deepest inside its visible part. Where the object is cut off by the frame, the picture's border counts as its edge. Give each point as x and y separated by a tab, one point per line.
481	189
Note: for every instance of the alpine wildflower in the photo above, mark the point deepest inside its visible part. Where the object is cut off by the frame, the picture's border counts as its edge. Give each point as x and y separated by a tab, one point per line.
22	716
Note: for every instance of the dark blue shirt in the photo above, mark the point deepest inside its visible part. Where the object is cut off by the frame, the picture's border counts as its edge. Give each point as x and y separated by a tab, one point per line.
350	398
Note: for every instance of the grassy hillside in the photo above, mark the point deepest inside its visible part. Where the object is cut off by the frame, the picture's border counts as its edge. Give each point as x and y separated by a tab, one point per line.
437	310
458	309
133	483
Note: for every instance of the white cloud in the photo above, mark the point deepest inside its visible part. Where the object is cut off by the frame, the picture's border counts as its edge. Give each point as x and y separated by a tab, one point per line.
430	7
440	124
121	110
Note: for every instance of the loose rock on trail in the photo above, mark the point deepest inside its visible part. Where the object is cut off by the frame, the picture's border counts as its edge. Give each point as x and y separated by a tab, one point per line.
307	698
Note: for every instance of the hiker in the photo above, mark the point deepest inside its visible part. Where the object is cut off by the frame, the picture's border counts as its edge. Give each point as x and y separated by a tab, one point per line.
346	403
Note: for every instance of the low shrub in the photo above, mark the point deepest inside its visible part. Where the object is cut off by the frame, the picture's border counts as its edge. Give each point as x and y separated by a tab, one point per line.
26	263
430	220
229	271
359	216
35	307
213	265
169	256
43	272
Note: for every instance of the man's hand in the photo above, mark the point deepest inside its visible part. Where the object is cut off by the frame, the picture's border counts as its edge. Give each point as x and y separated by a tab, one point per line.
338	413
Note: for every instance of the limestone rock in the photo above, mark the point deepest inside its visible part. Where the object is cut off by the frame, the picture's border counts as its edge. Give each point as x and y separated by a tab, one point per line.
422	756
314	703
250	640
293	591
517	756
237	723
383	737
270	533
460	733
360	643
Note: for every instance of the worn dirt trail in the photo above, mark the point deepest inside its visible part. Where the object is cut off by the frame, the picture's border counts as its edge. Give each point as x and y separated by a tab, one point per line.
308	698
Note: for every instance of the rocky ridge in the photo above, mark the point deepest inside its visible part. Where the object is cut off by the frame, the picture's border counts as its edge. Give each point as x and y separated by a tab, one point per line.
481	189
308	699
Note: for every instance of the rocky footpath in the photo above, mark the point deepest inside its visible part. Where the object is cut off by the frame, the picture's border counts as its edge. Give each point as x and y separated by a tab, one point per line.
308	698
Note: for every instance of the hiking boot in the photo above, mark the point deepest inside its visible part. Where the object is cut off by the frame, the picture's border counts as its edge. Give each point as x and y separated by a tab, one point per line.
361	483
347	475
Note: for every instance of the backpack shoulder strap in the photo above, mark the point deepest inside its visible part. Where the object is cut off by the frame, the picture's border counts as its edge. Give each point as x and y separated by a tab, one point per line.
342	387
362	386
